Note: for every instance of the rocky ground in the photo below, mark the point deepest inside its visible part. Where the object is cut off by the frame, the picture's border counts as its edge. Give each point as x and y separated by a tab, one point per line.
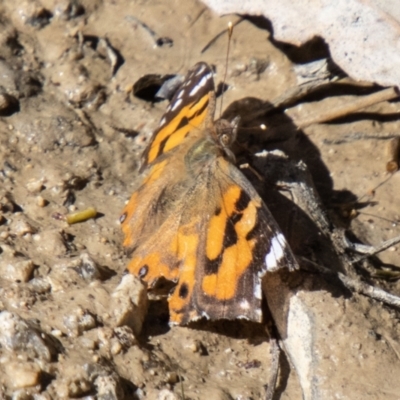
71	132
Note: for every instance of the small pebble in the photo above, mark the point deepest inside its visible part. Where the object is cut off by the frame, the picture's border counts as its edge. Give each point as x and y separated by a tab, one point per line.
73	387
172	378
87	268
4	235
22	375
129	303
20	226
18	271
193	345
33	13
125	336
40	285
41	202
166	394
35	186
115	347
80	321
68	9
89	343
51	242
16	335
7	101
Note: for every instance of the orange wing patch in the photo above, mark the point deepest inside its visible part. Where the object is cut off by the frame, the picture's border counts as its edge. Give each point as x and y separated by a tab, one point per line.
173	134
226	263
187	247
151	267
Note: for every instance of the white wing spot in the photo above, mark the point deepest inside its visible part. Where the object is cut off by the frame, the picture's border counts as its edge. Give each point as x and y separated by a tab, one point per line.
244	305
176	104
162	122
201	83
203	314
200	70
257	291
276	252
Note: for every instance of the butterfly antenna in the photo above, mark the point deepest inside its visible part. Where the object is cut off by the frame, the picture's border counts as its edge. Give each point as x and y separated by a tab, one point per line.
230	32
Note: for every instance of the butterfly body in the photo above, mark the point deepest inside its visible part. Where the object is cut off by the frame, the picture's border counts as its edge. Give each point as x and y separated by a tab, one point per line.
196	220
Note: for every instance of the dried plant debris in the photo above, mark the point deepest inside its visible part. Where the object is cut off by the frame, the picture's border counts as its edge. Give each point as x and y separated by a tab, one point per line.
159	41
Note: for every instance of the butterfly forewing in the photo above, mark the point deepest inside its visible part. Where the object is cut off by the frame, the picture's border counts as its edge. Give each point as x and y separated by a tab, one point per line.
152	202
187	110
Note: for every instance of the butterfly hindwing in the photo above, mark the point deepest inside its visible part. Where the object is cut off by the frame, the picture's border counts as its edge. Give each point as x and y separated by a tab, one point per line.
239	242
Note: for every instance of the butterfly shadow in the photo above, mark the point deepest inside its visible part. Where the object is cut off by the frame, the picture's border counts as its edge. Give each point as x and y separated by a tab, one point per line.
302	232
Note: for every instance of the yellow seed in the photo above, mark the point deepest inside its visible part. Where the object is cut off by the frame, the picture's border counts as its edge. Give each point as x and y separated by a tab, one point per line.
81	216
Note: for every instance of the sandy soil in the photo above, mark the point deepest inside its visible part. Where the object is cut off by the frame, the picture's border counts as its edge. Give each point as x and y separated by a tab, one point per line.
61	152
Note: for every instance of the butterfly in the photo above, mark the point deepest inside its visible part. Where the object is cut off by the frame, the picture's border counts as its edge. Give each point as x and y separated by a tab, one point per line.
195	219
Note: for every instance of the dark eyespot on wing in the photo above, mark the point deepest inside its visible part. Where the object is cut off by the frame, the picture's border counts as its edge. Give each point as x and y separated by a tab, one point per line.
183	291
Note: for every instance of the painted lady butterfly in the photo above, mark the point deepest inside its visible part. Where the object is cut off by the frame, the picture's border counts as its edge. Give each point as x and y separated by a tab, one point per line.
195	219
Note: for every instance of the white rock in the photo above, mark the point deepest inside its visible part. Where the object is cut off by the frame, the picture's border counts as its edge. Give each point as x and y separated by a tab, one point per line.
129	303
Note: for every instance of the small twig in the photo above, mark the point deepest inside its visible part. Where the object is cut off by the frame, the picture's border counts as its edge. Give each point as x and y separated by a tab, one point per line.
253	170
222	33
126	131
181	386
356	285
370	291
113	56
319	118
392	154
356	136
348	108
393	345
159	41
275	351
368	251
197	17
